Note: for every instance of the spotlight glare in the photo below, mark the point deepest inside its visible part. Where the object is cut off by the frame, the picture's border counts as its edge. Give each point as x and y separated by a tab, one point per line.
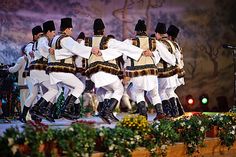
204	99
190	100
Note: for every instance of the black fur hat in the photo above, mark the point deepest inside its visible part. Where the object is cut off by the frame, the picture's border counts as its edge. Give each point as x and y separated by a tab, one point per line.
98	25
66	23
36	30
140	26
160	28
48	26
173	31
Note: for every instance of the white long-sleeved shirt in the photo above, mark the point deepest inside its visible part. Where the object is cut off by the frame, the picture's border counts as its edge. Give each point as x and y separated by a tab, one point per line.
28	50
165	54
70	47
19	67
43	46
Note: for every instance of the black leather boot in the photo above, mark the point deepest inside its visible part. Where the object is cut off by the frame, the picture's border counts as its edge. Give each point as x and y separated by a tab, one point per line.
103	114
39	109
77	110
174	107
137	111
22	117
180	107
69	103
159	112
142	108
112	105
49	112
166	105
100	106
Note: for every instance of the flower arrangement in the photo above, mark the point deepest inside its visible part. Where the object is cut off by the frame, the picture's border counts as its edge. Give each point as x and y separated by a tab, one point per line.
128	134
137	123
77	140
192	131
82	139
166	134
118	141
227	128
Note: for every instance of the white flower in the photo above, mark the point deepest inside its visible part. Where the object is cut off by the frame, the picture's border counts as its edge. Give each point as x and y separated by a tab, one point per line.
132	142
111	147
71	129
137	137
157	126
199	122
10	141
202	129
189	126
163	146
101	134
221	118
232	132
14	149
182	124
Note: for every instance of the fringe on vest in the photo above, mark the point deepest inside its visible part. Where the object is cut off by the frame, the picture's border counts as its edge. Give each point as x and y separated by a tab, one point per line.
40	64
180	72
81	70
167	72
102	66
60	67
141	70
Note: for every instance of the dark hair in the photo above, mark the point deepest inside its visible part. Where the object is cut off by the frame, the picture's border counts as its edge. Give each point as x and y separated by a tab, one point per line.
62	29
99	32
141	33
111	36
153	35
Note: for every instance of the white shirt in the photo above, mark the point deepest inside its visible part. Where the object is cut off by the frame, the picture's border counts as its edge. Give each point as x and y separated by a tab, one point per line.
19	67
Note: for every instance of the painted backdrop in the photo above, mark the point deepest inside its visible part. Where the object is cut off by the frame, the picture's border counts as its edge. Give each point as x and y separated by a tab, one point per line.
204	27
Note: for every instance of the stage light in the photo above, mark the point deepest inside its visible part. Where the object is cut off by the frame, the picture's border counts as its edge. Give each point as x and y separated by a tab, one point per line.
189	100
204	99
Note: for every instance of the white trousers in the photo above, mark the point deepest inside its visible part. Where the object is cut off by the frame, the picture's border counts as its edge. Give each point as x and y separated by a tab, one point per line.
33	92
69	79
115	90
23	96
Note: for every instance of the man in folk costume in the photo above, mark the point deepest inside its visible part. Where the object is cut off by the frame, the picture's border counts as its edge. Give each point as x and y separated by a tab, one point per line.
37	71
33	89
80	73
167	72
172	33
46	101
143	73
62	68
20	68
